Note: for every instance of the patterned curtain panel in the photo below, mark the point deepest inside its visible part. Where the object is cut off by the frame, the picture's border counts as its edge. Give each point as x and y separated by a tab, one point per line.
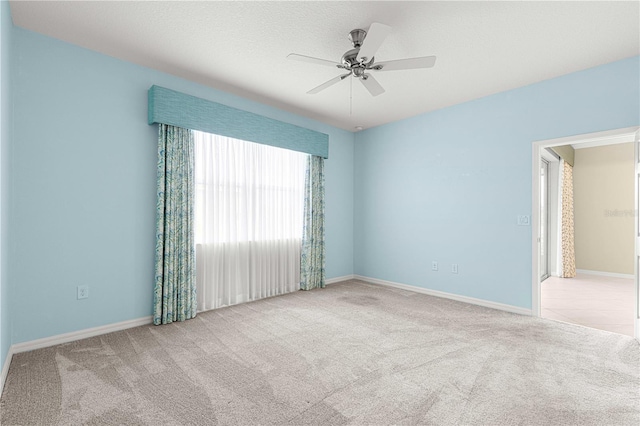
174	296
568	248
312	274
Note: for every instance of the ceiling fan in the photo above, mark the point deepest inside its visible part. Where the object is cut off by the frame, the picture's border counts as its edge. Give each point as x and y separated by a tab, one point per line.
360	59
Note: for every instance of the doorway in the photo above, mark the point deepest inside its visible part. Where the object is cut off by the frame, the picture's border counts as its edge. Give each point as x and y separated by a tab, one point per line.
541	224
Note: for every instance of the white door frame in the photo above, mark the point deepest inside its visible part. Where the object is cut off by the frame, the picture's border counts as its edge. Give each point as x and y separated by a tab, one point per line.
636	260
627	134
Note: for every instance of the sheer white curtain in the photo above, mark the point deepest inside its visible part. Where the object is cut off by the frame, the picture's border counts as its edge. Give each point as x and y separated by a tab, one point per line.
249	206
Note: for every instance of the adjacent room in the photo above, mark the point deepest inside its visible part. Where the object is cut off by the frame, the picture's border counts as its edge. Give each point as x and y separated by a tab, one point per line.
597	288
321	213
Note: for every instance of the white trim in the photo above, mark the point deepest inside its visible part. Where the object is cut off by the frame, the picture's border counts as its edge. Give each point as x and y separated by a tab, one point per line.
592	139
339	279
626	138
636	225
80	334
5	368
605	274
457	297
535	227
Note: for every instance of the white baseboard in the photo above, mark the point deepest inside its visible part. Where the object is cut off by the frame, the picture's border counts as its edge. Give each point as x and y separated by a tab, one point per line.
5	368
339	279
457	297
80	334
604	274
65	338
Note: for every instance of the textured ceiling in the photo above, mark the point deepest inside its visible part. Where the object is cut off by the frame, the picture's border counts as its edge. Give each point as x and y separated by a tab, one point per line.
241	47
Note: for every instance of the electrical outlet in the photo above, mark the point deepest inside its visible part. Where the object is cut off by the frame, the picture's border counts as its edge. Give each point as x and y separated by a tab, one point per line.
454	268
434	266
83	291
524	220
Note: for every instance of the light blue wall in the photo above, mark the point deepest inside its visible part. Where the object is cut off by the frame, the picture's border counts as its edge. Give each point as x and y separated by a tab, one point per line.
448	185
443	186
84	169
6	27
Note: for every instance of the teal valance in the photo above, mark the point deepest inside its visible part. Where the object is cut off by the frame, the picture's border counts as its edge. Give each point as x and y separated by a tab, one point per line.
178	109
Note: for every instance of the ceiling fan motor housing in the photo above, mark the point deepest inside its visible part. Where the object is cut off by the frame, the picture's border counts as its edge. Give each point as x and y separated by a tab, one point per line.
350	59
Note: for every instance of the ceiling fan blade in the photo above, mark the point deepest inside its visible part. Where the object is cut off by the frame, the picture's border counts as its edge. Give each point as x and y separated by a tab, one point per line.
405	64
328	84
372	85
372	42
318	61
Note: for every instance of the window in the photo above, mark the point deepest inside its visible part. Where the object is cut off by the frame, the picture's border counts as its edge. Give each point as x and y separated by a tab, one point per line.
249	206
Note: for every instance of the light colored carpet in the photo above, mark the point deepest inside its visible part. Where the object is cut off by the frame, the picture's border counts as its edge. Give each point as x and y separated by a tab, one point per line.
353	353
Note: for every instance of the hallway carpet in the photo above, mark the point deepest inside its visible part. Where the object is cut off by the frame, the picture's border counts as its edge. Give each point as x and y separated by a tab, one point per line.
353	353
